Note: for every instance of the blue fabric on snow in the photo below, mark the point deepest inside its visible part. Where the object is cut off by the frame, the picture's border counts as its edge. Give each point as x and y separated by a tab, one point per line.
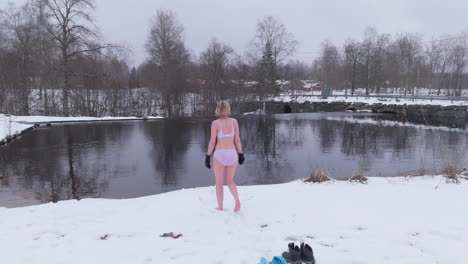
275	260
278	260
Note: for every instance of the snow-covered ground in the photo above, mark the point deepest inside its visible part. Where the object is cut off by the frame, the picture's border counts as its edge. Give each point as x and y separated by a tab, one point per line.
383	92
11	125
367	100
389	220
399	91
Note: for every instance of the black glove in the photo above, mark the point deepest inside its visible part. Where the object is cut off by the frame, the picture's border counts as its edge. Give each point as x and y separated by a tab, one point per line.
207	161
241	158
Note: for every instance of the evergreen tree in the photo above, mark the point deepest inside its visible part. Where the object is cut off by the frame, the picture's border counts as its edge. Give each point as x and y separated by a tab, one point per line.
267	72
133	80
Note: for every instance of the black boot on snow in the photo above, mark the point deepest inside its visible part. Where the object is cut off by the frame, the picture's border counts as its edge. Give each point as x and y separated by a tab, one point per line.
293	255
307	254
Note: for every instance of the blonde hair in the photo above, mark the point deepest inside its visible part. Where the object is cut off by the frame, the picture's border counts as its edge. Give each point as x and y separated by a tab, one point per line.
223	108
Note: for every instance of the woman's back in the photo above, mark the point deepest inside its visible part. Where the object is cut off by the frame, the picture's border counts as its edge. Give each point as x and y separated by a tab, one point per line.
226	131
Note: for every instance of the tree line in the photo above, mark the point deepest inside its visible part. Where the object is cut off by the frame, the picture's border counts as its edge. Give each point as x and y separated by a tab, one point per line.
54	61
403	63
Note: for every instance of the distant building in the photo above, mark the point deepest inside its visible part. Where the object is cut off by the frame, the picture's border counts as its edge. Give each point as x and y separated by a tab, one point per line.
250	84
311	85
283	85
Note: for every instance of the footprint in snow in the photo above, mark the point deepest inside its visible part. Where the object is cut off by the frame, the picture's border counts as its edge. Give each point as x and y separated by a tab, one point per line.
327	245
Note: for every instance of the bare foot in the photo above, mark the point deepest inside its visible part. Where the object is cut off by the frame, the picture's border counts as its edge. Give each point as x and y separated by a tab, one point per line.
237	208
219	208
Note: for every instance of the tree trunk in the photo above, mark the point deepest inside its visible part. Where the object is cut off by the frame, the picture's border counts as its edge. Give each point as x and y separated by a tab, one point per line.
367	78
46	102
66	83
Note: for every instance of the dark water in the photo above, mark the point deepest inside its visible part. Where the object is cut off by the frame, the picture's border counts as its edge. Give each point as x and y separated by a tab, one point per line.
133	159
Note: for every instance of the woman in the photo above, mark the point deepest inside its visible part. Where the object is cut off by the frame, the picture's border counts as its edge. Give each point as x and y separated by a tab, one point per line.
224	140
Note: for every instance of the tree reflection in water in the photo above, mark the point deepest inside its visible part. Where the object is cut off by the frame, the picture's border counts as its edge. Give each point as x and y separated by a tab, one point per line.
170	141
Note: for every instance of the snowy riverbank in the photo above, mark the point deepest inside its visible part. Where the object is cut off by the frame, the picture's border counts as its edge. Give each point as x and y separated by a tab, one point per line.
368	100
13	125
388	220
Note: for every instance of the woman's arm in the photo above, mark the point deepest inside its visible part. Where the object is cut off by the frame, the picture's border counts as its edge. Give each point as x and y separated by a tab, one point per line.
212	143
237	140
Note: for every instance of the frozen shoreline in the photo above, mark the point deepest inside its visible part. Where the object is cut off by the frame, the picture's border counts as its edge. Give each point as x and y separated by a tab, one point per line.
11	126
388	220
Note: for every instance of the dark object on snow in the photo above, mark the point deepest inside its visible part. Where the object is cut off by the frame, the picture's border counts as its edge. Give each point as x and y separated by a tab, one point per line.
293	254
207	161
307	254
241	158
171	234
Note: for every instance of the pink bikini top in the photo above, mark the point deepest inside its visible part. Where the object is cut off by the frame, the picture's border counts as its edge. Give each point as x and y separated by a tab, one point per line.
221	133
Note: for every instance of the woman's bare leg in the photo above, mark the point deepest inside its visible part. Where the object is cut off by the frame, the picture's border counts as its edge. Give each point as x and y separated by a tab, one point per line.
219	179
230	171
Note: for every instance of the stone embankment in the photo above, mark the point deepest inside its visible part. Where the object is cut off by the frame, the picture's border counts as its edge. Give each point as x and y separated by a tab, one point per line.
415	113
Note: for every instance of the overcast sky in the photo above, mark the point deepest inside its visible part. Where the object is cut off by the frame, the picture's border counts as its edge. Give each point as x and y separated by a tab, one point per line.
310	21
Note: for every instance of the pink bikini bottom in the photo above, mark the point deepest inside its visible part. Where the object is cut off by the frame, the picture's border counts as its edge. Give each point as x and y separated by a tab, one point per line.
227	157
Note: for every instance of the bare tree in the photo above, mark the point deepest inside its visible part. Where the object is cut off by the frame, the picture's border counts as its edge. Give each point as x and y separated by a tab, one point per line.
74	33
381	46
239	72
459	63
352	54
271	30
392	68
167	51
433	55
367	52
409	46
214	62
46	59
330	66
22	30
446	47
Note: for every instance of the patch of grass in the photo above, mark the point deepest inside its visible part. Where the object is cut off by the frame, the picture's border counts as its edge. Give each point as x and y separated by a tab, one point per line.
421	172
416	173
317	176
359	177
452	171
453	161
464	174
